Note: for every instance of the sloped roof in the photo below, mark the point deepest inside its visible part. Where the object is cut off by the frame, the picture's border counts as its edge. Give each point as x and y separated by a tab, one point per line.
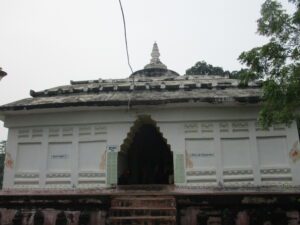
154	85
140	91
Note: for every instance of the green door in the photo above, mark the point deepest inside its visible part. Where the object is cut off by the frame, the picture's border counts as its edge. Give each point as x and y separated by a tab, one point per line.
179	169
112	168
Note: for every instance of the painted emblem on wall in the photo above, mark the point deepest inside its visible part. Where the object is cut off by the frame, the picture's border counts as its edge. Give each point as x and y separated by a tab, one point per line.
189	162
295	152
9	162
103	161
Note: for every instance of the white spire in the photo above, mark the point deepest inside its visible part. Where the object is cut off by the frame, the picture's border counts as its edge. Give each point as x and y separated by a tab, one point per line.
155	61
155	53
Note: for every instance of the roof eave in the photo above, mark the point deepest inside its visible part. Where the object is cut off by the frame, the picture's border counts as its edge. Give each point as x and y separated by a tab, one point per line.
250	100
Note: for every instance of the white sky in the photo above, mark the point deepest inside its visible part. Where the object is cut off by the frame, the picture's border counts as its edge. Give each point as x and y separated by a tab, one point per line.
46	43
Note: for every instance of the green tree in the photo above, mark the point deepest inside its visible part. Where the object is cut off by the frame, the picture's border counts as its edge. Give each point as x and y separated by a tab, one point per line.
277	63
239	74
202	68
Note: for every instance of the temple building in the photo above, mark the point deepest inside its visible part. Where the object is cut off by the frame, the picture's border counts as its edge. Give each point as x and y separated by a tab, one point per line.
154	148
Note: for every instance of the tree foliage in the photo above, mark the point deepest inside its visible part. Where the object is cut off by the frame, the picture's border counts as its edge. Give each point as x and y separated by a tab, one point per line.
203	68
277	62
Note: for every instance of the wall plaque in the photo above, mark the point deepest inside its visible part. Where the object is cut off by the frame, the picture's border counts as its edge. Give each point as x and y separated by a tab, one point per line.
112	148
59	156
202	155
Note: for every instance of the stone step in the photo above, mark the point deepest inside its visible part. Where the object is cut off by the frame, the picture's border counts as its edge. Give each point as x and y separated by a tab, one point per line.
143	218
147	197
137	201
143	204
146	222
143	210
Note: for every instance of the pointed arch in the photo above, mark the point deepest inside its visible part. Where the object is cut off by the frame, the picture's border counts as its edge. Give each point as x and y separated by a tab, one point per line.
145	156
138	123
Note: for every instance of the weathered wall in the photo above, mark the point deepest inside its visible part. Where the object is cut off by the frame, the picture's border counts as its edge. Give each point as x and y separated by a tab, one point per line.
51	209
239	210
189	216
51	217
212	146
249	216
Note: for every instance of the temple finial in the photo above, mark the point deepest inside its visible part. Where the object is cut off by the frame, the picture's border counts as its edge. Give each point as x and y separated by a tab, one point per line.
155	61
155	53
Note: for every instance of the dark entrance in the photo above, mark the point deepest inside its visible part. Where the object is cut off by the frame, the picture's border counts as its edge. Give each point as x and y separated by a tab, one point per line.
147	160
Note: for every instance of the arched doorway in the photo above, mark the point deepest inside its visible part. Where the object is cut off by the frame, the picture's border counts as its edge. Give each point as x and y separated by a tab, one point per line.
145	156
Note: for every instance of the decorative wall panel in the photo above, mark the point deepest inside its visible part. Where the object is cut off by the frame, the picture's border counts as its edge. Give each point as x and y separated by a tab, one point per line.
224	126
29	157
27	170
58	180
59	156
236	152
54	132
99	129
37	132
90	154
273	160
67	131
240	126
191	127
84	131
272	151
26	180
200	153
203	177
207	127
23	133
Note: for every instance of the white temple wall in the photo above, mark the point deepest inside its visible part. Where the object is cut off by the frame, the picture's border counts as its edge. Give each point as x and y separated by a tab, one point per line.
211	146
240	153
56	157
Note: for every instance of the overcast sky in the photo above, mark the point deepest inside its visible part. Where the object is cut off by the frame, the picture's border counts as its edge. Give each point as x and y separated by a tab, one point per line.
46	43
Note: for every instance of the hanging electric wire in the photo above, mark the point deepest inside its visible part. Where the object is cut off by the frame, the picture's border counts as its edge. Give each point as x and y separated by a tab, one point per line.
125	35
127	52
